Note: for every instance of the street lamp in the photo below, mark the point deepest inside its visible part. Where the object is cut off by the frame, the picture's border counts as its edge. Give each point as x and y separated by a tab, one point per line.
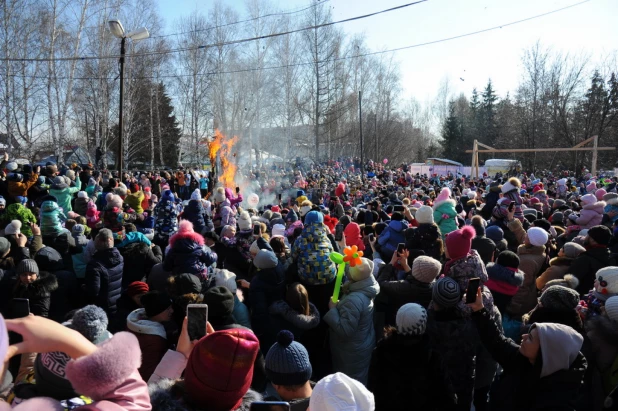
115	27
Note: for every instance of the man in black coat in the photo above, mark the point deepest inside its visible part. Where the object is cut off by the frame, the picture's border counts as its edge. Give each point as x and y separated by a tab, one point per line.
596	256
103	282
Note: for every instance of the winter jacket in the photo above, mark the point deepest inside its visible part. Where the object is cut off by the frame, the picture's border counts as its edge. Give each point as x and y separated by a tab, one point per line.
525	386
16	189
38	293
611	205
108	376
17	211
241	313
152	340
591	215
194	212
586	265
302	326
103	282
51	218
352	335
353	236
426	237
81	206
63	298
531	260
485	247
134	200
491	199
503	283
392	235
455	339
139	258
603	335
166	217
445	216
558	268
64	195
188	254
227	213
311	250
267	286
407	373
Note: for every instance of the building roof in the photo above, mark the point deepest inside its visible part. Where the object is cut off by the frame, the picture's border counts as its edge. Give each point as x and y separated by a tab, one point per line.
443	160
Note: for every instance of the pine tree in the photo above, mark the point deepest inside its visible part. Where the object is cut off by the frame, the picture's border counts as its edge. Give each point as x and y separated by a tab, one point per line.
452	136
488	115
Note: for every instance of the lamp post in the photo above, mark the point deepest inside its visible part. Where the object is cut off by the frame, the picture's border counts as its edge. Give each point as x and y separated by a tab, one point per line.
115	27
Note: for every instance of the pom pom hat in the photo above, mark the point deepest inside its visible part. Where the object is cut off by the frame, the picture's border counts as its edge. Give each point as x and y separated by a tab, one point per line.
459	242
287	361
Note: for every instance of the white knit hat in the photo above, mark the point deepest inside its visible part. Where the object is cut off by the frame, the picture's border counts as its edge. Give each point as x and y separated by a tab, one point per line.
337	392
196	194
611	308
225	278
14	227
424	215
362	271
411	319
244	221
279	230
82	194
608	280
537	236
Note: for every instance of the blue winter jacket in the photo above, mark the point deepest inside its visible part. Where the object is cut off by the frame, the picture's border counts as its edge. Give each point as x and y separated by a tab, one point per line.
392	236
103	280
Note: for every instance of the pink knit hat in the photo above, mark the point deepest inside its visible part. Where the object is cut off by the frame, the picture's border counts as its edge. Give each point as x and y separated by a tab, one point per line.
600	193
589	199
459	242
444	195
220	369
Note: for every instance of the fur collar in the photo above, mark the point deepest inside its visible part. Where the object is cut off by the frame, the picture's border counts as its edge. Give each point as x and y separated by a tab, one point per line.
167	395
138	322
301	321
560	261
612	201
447	201
598	206
498	272
43	286
191	235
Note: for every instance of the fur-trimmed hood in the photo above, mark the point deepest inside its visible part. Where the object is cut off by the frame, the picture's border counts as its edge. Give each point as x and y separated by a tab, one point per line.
501	273
138	322
596	207
450	201
191	236
511	185
561	261
43	286
167	395
301	321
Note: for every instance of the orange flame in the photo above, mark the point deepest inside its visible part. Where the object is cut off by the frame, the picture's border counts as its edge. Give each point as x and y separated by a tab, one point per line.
223	146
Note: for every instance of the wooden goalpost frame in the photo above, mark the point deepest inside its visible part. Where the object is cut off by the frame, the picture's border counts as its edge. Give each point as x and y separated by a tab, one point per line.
579	147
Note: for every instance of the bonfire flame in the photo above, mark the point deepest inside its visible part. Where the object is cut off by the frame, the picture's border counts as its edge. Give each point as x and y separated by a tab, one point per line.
223	146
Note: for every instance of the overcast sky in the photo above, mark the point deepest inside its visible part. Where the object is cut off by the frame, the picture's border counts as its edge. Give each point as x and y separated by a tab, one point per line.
589	28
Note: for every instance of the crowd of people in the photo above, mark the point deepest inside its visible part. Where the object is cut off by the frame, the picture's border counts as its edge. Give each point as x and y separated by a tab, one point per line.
497	292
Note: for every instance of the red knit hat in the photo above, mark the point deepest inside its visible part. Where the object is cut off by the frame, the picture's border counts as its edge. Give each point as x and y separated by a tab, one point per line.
275	209
459	242
136	288
220	369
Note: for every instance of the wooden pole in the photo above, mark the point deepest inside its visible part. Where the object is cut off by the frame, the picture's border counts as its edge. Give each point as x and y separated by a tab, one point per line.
529	150
594	155
472	165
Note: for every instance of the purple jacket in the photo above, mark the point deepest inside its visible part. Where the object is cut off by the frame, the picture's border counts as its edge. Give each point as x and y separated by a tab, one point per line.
109	376
228	215
591	215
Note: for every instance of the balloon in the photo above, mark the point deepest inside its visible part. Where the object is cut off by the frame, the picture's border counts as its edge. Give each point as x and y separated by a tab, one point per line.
337	259
253	200
385	161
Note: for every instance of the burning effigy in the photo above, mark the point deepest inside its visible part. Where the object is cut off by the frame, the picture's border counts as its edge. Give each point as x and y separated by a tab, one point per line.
223	159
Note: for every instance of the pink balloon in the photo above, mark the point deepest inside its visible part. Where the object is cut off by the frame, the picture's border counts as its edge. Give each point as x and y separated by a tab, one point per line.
385	160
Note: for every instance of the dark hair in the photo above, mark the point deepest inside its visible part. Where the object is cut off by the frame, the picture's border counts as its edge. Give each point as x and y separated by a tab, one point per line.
278	245
297	297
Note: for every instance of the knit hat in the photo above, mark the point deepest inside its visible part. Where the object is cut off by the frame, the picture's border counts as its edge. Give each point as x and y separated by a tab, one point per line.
91	322
494	233
155	302
4	246
426	269
361	271
600	193
314	217
265	259
287	361
608	280
11	166
601	234
559	298
78	229
588	199
291	217
424	215
244	221
82	194
611	308
187	284
304	210
411	319
300	193
14	227
592	186
278	230
537	236
568	281
446	292
508	259
196	194
459	242
337	392
225	278
219	195
557	218
220	304
137	288
559	203
27	266
219	370
572	250
167	195
512	184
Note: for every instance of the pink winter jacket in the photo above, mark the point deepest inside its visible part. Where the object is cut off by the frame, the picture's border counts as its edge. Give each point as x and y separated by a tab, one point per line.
591	215
171	366
109	376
